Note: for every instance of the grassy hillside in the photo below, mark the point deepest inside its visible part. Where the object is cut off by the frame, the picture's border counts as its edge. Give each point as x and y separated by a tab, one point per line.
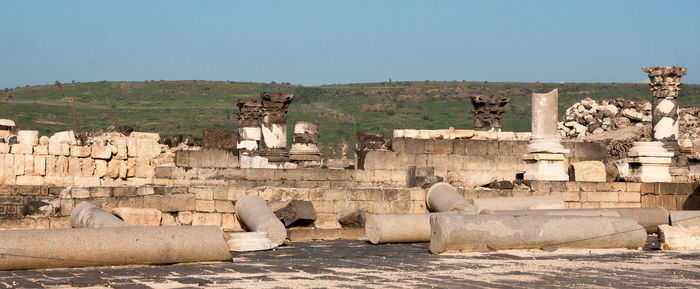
189	106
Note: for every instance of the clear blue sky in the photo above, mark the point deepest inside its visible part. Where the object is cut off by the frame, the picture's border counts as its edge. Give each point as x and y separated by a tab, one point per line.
326	42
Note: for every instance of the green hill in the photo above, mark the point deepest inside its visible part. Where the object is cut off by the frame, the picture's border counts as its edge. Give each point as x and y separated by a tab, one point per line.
189	106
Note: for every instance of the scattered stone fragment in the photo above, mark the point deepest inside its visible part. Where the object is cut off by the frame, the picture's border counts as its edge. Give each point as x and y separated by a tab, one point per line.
297	213
679	238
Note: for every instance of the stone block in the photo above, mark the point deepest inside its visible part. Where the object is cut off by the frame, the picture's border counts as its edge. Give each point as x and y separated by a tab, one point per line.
86	181
143	169
297	213
113	168
229	222
122	148
74	166
17	167
203	193
41	150
139	216
679	238
224	207
205	206
630	197
59	149
327	221
206	158
28	164
100	192
184	217
571	196
600	196
80	151
30	180
21	149
203	219
167	220
443	146
4	148
589	171
100	152
39	165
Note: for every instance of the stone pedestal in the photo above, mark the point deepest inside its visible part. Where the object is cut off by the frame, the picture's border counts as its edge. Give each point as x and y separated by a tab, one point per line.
488	111
274	126
305	142
665	82
649	162
249	120
545	159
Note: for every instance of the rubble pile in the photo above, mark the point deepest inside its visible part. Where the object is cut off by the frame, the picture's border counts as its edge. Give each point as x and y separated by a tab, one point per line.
590	117
689	131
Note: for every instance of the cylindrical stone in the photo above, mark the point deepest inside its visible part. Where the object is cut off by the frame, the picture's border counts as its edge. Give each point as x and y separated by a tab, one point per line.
687	219
255	216
553	201
456	232
28	137
442	197
649	218
86	215
665	83
66	248
398	228
545	110
556	212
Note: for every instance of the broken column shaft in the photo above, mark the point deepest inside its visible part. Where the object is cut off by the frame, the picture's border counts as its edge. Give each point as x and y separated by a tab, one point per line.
86	215
442	197
488	111
249	121
665	82
274	126
398	228
456	232
65	248
305	142
545	158
254	215
553	201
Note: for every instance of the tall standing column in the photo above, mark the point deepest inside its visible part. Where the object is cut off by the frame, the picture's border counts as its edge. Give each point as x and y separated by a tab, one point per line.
274	125
545	158
249	120
665	82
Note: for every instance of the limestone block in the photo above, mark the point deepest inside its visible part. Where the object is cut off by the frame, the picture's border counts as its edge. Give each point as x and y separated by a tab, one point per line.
101	152
213	219
132	147
4	148
113	168
679	238
28	137
545	167
28	164
30	180
87	166
50	165
44	141
21	149
59	149
100	168
122	148
146	144
86	181
143	168
80	151
297	213
589	171
64	137
184	217
74	166
131	167
41	150
123	169
7	122
18	165
139	216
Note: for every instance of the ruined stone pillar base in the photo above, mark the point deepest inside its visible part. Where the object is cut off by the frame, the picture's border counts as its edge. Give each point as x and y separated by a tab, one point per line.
649	162
545	167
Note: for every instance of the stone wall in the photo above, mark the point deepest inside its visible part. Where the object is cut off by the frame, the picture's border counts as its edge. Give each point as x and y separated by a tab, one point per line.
108	160
215	205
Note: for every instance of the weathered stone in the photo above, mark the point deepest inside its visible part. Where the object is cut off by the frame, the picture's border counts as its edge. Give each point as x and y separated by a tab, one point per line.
488	111
553	201
665	83
64	137
139	216
28	137
679	238
442	197
353	220
686	219
59	149
479	180
297	213
86	215
206	158
80	151
398	228
649	162
101	152
21	149
455	232
589	171
253	213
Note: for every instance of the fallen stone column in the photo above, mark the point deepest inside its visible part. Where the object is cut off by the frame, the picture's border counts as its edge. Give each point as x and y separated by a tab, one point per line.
556	212
679	238
254	215
86	215
553	201
398	228
442	197
65	248
649	218
686	219
455	232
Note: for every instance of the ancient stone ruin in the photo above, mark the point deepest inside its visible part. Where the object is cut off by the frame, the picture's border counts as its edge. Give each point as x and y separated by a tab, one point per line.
488	111
415	186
